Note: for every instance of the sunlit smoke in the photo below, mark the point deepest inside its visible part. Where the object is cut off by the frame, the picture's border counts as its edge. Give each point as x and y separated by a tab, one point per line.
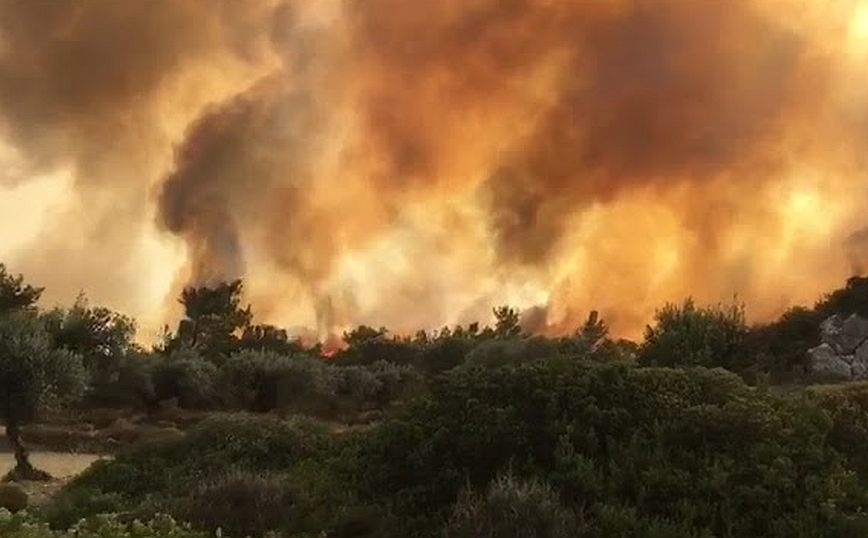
412	164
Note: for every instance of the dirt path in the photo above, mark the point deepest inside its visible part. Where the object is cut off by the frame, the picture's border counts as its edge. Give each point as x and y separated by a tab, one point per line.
60	465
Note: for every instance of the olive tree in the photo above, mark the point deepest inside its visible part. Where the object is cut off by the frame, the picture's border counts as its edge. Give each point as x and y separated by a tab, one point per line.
34	376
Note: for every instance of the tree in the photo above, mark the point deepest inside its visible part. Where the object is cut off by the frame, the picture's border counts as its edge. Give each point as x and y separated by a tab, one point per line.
268	338
15	293
691	335
101	337
213	320
851	299
506	325
590	336
366	345
781	347
33	376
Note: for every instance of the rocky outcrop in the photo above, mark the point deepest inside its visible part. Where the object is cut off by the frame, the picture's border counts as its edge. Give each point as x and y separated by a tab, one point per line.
843	353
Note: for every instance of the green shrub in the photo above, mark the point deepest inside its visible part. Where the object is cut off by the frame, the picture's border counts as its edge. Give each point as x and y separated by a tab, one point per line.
160	473
243	504
444	354
12	497
134	385
847	405
691	449
626	522
107	526
372	386
511	351
72	505
185	377
690	335
511	508
263	381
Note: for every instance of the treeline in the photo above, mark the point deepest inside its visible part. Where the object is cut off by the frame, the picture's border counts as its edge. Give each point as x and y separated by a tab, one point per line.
472	431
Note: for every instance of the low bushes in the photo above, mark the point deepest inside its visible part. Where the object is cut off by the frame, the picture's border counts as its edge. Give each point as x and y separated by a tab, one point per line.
609	450
511	508
161	526
258	503
694	450
174	467
12	497
263	381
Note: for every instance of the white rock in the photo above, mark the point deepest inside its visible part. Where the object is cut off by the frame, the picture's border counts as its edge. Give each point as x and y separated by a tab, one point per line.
860	362
854	332
826	364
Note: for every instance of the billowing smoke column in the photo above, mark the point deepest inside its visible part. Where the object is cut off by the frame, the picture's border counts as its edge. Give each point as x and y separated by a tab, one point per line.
415	163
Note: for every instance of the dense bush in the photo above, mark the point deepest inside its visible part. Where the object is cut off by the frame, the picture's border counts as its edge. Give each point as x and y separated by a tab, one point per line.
847	406
510	351
185	377
511	508
631	452
693	450
161	526
264	381
851	299
444	354
160	472
12	497
780	348
691	335
255	503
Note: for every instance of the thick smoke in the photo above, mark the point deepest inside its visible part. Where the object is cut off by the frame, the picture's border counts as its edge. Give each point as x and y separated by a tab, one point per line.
414	163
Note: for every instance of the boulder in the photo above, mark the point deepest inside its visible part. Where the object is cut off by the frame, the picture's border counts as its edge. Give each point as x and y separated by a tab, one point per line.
853	333
827	364
860	362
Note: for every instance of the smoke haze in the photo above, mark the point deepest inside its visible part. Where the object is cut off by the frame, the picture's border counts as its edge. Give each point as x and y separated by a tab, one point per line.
412	164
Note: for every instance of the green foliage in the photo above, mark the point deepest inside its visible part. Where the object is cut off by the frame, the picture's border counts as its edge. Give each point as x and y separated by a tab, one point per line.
186	378
163	476
780	348
693	451
15	294
175	466
214	320
847	406
851	299
33	377
366	345
443	354
101	337
108	526
134	385
12	497
690	335
505	351
268	338
76	504
256	503
506	322
263	381
590	336
511	508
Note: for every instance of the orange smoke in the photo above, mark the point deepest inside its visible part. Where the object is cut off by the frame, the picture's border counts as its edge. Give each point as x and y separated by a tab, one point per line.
411	164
